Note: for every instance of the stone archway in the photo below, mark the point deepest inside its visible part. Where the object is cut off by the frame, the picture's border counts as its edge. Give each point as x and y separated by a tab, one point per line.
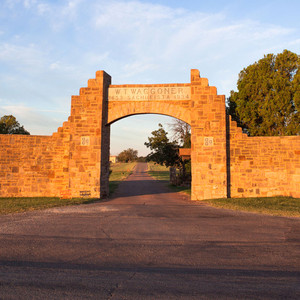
181	101
74	161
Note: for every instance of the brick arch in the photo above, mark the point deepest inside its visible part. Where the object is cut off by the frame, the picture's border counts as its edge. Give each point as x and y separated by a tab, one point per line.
74	161
119	110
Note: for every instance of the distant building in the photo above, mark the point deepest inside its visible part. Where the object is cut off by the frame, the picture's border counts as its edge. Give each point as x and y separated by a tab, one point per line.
113	159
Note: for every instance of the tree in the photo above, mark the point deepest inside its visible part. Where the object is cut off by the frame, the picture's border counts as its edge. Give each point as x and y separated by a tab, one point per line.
9	125
128	155
142	159
181	132
164	152
268	97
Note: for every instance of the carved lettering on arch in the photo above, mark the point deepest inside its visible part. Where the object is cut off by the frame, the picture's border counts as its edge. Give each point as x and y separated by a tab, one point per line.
149	93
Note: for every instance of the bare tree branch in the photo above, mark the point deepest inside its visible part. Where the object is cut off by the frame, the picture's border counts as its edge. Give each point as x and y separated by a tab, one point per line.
181	131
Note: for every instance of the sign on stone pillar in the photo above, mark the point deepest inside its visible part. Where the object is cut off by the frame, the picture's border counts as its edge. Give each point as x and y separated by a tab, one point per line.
208	141
88	162
85	141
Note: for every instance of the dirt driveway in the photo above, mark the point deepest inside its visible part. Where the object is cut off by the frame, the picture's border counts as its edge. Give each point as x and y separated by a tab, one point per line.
148	243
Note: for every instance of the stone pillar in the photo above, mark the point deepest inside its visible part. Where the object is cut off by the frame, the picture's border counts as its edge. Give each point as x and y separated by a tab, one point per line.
89	139
208	135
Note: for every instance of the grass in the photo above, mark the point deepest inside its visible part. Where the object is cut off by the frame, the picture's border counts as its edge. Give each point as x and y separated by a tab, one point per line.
119	171
279	206
162	173
21	204
184	189
158	172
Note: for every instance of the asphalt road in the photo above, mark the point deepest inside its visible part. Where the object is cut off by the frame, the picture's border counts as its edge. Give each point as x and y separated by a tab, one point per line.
148	243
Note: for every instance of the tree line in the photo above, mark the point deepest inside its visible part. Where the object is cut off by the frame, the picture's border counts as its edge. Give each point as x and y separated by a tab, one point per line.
9	125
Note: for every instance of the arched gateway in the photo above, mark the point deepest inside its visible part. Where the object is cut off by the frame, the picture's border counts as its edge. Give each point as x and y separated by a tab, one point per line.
74	161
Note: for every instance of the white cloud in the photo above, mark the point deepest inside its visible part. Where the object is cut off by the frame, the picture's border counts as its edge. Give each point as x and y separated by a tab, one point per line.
71	8
28	57
153	37
95	58
29	3
43	8
48	58
130	15
55	66
136	67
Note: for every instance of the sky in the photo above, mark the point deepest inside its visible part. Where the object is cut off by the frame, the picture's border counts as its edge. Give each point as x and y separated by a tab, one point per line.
49	49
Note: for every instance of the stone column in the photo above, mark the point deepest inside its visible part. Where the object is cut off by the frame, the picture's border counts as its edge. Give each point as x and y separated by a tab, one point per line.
89	139
208	151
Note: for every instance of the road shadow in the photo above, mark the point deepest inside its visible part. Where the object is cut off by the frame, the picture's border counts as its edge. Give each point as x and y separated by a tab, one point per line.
131	188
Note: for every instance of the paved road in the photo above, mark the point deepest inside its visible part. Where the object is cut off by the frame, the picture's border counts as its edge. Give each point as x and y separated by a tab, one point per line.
148	243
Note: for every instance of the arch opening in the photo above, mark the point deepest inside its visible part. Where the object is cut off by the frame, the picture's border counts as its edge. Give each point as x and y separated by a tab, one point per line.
132	131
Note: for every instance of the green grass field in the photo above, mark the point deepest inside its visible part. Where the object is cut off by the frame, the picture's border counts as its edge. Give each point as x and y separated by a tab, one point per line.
279	206
158	172
162	173
119	171
16	205
20	204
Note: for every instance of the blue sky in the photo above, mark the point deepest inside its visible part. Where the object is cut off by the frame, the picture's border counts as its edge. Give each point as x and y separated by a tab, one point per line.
49	49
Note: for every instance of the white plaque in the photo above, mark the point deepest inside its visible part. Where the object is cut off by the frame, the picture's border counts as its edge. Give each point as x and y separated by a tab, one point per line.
208	141
85	141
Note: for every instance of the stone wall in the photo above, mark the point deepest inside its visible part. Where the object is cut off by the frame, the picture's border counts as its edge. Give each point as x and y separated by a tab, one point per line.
68	163
74	161
32	165
264	166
